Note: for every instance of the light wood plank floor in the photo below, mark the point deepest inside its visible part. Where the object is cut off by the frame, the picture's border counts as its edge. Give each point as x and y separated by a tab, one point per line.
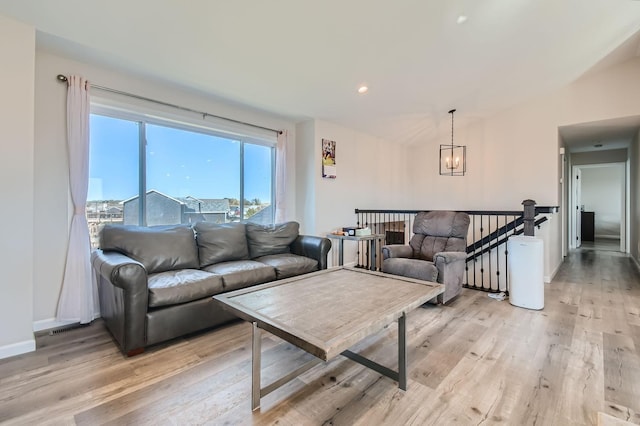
477	361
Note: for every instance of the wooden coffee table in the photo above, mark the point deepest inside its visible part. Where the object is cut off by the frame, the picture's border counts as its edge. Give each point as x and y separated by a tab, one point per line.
327	312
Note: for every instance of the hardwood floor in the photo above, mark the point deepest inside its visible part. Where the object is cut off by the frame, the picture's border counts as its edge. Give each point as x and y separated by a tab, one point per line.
475	361
602	244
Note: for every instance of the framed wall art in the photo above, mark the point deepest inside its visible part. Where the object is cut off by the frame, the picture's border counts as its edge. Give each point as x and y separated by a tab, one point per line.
328	159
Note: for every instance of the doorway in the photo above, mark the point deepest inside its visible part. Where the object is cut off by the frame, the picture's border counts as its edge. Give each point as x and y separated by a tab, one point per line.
599	193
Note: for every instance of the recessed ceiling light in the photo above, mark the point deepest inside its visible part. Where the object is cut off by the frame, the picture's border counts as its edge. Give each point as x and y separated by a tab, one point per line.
461	19
363	89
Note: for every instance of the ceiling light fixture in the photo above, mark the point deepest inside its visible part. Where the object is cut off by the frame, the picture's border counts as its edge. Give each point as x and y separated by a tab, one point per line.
363	89
461	19
453	157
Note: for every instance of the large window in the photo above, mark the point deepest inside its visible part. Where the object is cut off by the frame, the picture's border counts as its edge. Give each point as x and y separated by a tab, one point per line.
143	173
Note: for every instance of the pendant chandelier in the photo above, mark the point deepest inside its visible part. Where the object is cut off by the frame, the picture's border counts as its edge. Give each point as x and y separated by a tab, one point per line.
453	157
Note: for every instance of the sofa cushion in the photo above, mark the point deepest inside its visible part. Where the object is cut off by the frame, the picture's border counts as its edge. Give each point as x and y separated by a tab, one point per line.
238	274
288	264
221	242
185	285
265	240
412	268
158	248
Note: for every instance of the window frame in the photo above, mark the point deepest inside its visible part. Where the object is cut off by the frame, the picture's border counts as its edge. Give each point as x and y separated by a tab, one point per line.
189	124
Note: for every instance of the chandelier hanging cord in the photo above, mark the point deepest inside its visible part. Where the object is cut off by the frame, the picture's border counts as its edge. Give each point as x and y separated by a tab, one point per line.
451	112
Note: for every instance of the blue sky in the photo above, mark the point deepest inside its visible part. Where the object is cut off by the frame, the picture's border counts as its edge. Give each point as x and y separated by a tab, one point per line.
179	163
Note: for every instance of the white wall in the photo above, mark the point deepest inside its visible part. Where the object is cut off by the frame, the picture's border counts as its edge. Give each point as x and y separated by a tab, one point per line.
371	174
601	193
306	177
17	50
51	168
634	222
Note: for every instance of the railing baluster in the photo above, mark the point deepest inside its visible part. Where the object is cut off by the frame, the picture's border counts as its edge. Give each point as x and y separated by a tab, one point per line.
475	261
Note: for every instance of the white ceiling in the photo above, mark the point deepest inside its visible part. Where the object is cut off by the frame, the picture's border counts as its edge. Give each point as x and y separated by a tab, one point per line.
303	59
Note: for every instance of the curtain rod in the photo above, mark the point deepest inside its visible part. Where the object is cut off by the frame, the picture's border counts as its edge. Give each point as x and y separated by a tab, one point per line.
63	79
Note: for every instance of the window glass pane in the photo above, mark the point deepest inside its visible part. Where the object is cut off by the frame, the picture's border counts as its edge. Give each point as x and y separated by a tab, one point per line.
113	171
258	177
191	176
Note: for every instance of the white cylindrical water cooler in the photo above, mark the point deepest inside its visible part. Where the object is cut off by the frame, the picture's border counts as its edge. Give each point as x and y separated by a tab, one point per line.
526	272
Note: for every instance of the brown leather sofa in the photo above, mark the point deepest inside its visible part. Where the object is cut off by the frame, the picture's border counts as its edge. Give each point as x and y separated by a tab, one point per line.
157	283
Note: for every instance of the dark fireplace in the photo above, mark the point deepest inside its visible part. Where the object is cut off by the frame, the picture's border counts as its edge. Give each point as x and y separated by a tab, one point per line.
394	237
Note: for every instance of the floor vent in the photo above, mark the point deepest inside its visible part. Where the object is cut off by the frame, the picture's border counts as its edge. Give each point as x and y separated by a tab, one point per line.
66	328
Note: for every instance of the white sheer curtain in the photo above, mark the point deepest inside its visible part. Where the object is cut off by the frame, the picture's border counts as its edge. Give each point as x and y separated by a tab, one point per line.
281	174
79	297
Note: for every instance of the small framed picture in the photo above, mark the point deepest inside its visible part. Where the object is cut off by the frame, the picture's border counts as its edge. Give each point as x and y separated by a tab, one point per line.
328	159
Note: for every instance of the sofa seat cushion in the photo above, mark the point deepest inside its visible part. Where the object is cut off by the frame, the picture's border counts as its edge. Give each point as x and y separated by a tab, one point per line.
185	285
238	274
412	268
288	264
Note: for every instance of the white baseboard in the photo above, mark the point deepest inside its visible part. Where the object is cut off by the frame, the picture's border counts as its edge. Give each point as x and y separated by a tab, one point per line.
549	278
50	323
607	236
17	348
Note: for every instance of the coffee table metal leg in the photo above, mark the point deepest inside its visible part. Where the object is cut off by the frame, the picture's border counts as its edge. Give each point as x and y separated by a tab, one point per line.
255	366
402	352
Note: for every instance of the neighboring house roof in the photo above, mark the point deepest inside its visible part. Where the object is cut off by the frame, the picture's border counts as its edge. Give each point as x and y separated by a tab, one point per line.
199	205
263	217
154	191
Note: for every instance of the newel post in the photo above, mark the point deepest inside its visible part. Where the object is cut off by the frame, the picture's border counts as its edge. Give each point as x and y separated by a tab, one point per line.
529	217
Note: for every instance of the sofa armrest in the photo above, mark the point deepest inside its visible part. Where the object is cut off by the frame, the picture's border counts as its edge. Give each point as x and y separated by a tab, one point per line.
316	248
119	269
122	287
451	267
396	250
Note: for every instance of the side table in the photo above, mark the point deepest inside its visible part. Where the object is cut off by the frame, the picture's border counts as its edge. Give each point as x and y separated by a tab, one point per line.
372	246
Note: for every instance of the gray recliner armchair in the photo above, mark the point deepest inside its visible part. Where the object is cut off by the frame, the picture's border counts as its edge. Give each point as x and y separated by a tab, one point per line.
436	251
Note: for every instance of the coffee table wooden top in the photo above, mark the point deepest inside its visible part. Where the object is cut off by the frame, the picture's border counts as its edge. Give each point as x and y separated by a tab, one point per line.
328	311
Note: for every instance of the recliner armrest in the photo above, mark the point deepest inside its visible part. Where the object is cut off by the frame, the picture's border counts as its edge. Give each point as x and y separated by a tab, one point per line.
449	256
396	250
316	248
451	266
